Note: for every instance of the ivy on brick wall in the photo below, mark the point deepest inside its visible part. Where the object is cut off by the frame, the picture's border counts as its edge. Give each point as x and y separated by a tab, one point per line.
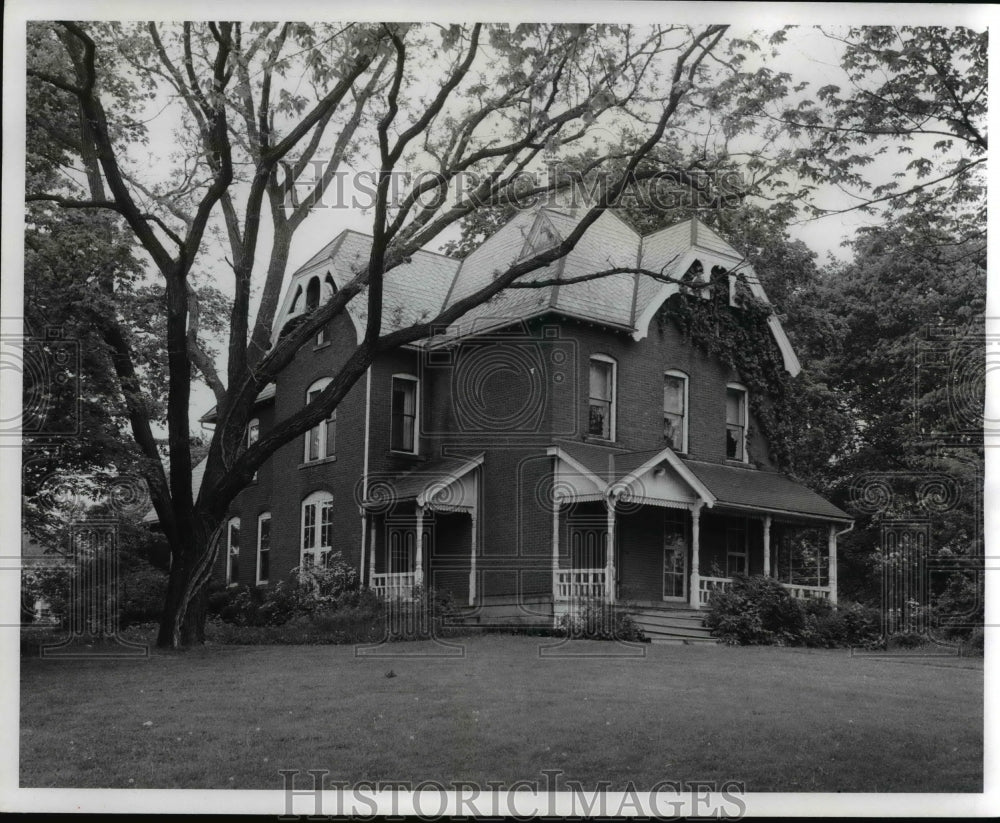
739	337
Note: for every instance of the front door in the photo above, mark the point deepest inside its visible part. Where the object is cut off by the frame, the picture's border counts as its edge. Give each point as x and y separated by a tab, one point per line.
675	552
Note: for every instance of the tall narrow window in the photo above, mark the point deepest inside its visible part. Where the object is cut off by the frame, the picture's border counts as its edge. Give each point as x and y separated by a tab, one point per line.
736	422
736	550
601	420
253	435
263	547
233	552
317	529
321	440
404	414
675	402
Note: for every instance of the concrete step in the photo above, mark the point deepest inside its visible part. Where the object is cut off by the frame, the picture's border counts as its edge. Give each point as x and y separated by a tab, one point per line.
685	641
688	621
673	631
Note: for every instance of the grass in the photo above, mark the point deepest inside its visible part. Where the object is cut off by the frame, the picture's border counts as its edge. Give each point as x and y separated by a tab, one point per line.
778	719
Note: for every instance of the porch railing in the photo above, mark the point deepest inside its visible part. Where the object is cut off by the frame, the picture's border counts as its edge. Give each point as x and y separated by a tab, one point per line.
580	584
394	586
808	592
708	585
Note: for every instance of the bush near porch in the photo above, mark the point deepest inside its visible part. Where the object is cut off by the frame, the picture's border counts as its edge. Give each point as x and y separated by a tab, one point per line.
758	611
323	605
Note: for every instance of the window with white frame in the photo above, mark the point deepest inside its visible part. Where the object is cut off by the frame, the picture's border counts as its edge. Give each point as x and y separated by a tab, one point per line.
675	405
405	403
317	529
736	422
233	551
321	439
263	547
601	415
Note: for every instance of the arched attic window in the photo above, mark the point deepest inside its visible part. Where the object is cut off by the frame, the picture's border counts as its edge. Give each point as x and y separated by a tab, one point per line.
295	301
329	290
312	294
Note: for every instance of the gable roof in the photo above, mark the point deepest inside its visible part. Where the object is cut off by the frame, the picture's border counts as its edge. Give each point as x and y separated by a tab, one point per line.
197	475
715	484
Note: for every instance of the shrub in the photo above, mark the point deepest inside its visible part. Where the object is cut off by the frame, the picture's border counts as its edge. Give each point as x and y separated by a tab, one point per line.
597	620
141	594
755	610
759	611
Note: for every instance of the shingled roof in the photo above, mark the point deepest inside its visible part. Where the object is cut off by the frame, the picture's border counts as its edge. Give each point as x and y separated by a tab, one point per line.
419	289
762	491
727	485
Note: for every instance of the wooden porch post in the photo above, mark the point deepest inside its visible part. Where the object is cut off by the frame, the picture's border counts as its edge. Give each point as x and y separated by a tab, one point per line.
832	574
767	545
694	592
371	549
555	551
418	567
609	554
472	559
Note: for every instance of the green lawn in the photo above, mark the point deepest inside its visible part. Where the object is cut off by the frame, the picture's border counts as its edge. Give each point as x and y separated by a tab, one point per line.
778	719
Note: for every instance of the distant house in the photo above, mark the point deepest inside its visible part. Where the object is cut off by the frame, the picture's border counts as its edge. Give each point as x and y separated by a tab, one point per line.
34	558
557	443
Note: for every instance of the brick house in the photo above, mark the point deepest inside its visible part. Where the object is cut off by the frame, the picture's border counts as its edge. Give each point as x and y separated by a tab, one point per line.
556	443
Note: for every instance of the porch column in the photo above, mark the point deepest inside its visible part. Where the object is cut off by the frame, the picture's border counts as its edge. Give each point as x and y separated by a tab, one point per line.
832	550
555	550
694	591
609	554
767	545
472	559
371	549
418	566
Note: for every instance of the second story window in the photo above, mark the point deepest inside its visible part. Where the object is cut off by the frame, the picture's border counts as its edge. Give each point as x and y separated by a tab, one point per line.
601	415
736	422
675	403
321	440
405	391
253	435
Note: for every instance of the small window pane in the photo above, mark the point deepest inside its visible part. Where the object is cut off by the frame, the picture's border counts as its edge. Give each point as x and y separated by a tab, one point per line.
331	435
734	407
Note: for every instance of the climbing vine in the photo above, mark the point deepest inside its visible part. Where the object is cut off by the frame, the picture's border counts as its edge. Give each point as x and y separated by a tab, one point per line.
738	336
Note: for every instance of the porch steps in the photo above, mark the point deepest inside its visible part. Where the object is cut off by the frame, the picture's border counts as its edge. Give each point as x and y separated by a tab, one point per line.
672	625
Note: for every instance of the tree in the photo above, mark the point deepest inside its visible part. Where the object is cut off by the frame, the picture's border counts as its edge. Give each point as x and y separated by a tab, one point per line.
507	98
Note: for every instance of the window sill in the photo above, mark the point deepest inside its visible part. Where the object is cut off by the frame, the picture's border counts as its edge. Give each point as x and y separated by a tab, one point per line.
410	455
745	463
600	441
322	460
262	583
321	346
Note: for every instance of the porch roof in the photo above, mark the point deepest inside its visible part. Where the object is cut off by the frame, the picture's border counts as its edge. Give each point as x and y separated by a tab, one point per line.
766	491
421	483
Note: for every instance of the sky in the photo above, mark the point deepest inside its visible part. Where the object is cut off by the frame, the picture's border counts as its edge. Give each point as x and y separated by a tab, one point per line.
807	55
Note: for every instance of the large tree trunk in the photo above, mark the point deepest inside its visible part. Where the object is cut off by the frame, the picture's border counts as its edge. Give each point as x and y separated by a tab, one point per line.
186	605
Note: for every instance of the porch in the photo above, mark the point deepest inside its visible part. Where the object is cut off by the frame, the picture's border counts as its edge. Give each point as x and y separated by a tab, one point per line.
664	557
421	531
661	532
